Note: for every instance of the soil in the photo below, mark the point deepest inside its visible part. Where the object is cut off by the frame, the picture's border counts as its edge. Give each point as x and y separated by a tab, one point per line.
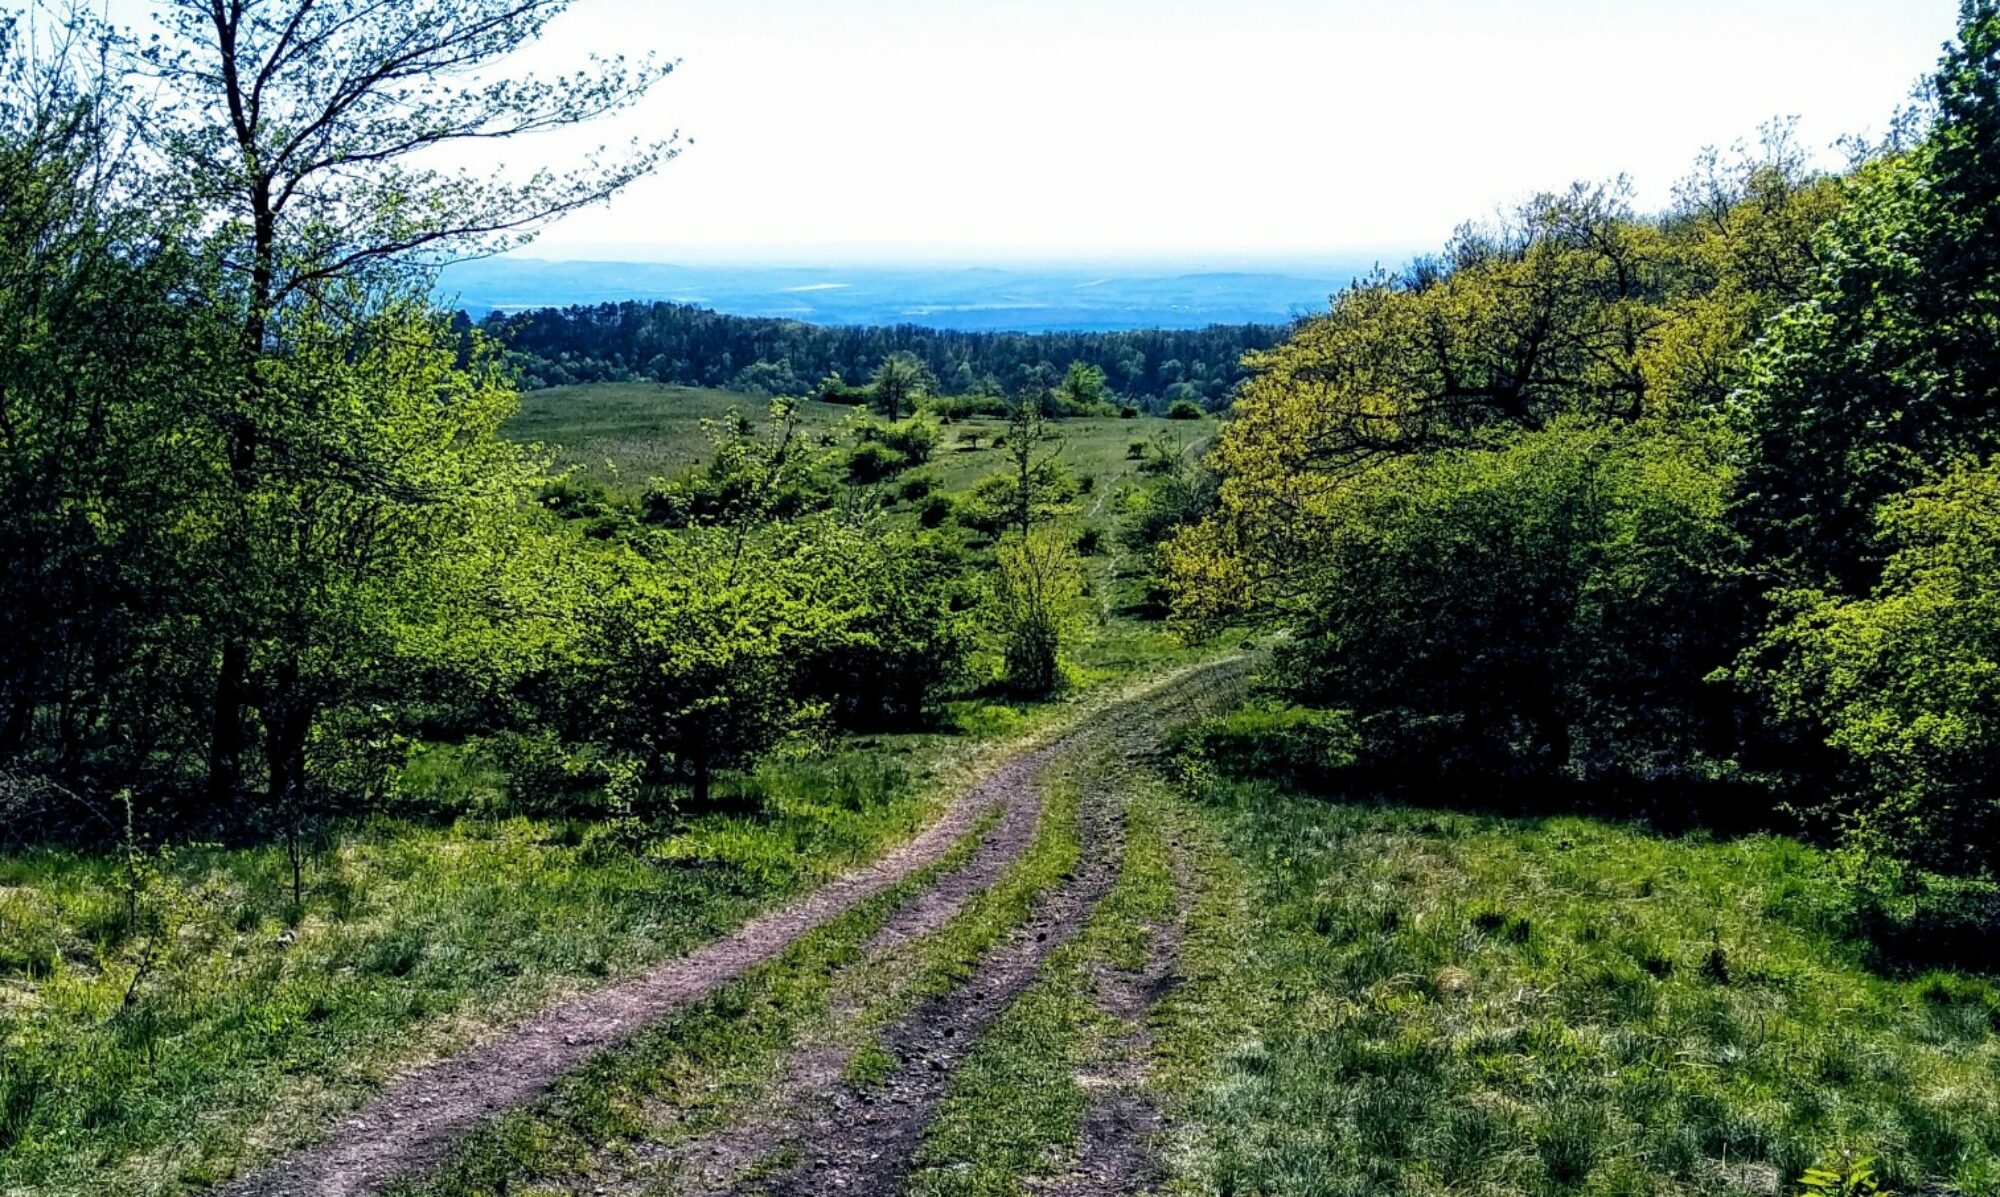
865	1139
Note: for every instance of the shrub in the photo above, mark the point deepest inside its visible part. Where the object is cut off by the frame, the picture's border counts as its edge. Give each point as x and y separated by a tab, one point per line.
1551	607
1036	610
1901	684
1184	409
935	511
874	462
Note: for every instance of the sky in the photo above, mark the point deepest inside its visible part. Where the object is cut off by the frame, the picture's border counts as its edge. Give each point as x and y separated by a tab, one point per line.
1218	132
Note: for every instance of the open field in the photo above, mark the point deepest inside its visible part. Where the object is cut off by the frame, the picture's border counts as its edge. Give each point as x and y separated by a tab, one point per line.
625	434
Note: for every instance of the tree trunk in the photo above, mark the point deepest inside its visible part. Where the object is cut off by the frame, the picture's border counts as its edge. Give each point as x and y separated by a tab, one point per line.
226	732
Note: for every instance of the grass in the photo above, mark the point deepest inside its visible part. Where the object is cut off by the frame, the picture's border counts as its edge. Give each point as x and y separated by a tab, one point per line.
255	1022
1015	1108
724	1057
1393	1000
625	434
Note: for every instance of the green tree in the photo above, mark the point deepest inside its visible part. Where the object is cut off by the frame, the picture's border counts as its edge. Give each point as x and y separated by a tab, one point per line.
1036	609
1885	373
105	456
397	474
1082	391
307	129
900	384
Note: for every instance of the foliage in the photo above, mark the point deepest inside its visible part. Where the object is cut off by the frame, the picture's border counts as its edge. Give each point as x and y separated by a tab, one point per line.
1036	609
690	346
1550	605
1904	684
1574	307
1885	373
1841	1178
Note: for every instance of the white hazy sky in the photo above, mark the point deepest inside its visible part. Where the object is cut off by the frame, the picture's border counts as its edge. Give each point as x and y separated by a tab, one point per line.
988	131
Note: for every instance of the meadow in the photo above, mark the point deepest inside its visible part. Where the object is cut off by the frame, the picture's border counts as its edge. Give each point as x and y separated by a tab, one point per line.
1393	999
623	435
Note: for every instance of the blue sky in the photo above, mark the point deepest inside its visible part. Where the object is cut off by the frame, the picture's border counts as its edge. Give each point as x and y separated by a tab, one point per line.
1215	132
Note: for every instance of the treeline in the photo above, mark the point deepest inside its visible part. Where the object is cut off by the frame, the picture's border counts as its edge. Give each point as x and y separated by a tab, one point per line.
1690	516
691	346
264	538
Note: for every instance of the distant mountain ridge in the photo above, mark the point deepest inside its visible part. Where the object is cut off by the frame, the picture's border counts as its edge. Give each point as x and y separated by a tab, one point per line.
972	299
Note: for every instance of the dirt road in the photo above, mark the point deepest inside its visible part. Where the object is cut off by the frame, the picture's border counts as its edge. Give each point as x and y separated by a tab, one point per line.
412	1125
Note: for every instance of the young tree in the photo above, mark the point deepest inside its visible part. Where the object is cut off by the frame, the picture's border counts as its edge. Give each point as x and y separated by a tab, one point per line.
1083	390
1031	448
307	129
1036	608
901	382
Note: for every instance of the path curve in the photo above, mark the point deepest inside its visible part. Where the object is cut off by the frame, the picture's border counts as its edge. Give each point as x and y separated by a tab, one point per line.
411	1125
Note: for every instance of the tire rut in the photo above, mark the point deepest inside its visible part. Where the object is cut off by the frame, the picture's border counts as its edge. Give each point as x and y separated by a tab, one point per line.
1119	1154
863	1139
410	1127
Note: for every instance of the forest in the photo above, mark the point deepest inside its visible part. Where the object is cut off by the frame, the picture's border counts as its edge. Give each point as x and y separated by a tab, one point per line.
692	346
1529	728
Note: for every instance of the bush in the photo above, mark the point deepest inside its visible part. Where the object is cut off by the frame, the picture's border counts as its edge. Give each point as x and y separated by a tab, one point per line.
935	511
915	438
1184	409
874	462
1036	610
1128	412
1901	685
1089	541
891	643
1550	607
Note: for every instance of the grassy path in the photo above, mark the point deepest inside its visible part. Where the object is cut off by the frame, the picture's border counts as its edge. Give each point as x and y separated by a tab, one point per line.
415	1124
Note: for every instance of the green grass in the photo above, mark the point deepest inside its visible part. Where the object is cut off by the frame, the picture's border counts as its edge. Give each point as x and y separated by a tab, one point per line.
1389	1000
722	1058
257	1022
1015	1107
263	1023
623	434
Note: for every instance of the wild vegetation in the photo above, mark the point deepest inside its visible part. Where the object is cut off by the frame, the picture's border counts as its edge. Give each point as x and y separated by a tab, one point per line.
693	347
1616	814
1682	515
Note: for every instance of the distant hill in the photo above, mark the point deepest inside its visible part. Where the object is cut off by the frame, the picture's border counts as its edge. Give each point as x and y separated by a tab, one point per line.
969	300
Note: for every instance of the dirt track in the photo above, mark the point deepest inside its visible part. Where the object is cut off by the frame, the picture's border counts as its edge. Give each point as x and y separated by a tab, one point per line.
411	1125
